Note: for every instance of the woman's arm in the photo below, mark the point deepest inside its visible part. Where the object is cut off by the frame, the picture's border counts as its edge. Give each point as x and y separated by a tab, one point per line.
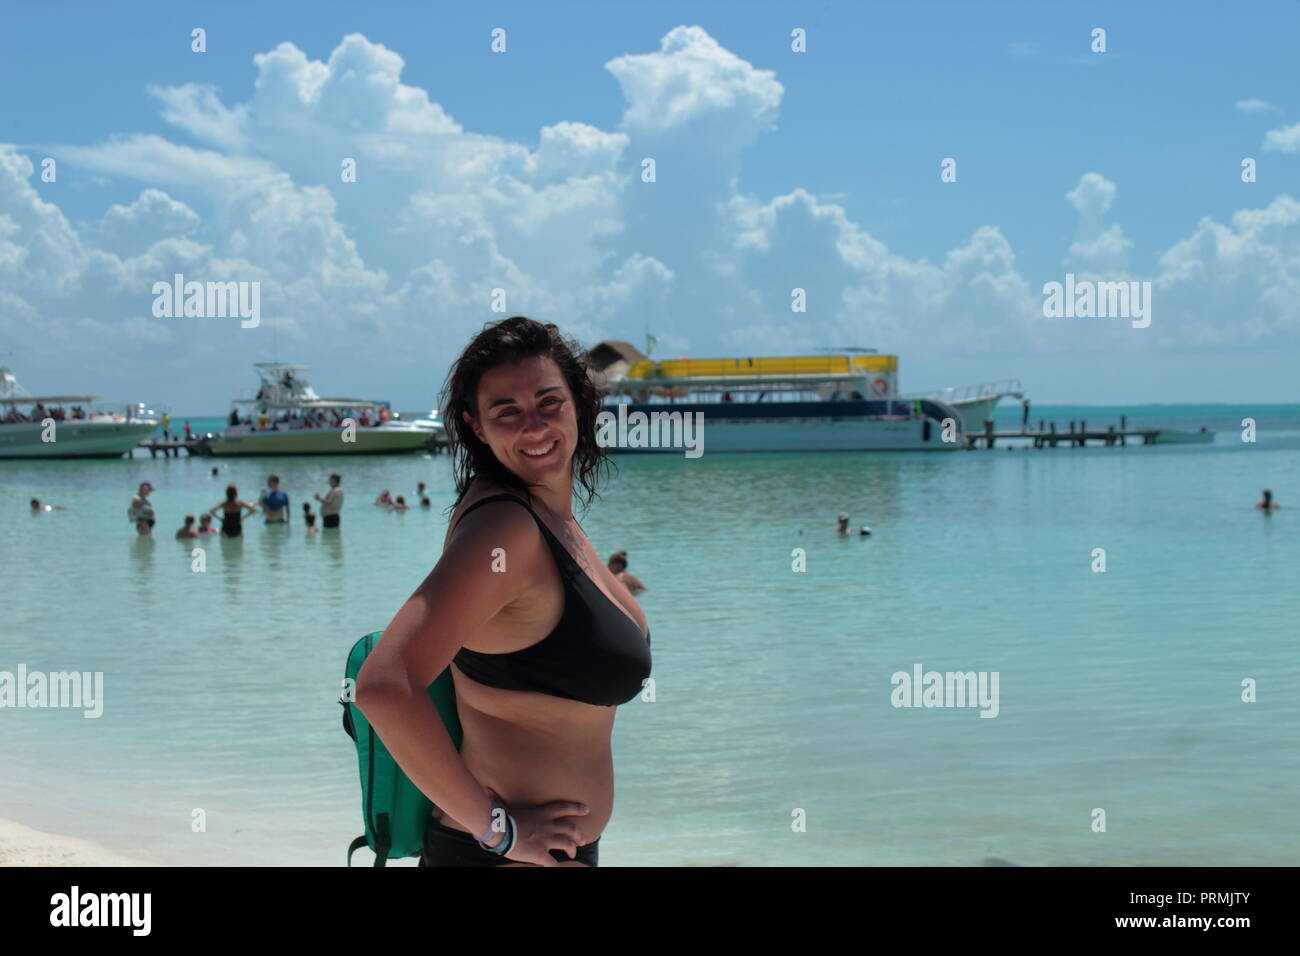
251	509
454	602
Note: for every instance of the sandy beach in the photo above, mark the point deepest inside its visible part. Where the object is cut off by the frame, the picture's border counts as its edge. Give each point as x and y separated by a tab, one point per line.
22	846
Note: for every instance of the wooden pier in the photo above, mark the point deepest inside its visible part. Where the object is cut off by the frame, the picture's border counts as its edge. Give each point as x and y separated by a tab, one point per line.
1048	436
173	446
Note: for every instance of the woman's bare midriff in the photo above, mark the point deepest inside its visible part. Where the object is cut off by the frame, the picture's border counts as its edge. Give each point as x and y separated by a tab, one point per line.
533	748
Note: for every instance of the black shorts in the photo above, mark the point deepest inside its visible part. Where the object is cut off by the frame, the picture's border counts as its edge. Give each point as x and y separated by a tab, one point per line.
444	846
330	521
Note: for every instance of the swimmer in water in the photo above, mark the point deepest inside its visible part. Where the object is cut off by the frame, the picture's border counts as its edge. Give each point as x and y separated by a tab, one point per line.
385	500
844	523
865	531
309	517
425	502
188	530
205	525
617	563
400	504
1268	504
38	507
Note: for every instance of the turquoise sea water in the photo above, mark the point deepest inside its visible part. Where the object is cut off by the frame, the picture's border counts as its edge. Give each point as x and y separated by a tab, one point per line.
1118	690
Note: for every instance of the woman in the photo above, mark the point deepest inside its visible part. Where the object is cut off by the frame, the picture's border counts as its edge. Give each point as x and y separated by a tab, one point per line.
141	511
542	640
232	513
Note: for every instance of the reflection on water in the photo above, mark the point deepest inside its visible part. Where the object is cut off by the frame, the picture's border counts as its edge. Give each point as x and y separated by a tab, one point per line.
273	539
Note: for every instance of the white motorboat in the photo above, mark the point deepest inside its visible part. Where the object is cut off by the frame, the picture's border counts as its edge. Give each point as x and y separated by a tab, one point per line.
65	426
287	417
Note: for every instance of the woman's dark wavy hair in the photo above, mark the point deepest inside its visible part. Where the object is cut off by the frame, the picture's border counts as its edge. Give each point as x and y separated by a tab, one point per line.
510	341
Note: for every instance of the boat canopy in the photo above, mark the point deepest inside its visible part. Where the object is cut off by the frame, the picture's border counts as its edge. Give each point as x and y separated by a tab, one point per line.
50	399
313	403
733	371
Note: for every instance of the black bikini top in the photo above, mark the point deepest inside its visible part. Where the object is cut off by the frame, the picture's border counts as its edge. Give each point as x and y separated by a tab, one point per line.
596	654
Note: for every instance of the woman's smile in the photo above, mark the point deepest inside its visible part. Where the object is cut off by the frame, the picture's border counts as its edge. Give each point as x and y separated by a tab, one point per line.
542	451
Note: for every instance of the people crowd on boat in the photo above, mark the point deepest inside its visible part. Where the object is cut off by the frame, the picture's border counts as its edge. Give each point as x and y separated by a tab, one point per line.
39	413
309	418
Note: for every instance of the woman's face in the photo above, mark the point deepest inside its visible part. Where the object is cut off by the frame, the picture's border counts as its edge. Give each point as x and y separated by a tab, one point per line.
528	408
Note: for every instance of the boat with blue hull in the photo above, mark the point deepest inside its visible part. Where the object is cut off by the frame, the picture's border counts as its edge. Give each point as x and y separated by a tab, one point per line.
843	401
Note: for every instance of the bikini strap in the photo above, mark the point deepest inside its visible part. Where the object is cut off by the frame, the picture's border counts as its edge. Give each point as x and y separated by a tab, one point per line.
560	552
489	499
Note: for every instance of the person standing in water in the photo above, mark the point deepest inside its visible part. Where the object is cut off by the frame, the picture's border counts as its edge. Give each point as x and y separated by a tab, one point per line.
617	564
1267	504
332	503
232	513
844	523
275	503
188	530
141	511
541	649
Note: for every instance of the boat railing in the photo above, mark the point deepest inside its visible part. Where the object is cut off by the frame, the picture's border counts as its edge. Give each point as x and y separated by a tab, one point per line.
967	393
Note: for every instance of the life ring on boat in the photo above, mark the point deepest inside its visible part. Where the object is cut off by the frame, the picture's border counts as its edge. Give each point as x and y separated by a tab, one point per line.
880	387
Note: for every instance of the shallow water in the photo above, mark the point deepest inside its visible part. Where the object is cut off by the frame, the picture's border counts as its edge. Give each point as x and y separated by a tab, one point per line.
1118	690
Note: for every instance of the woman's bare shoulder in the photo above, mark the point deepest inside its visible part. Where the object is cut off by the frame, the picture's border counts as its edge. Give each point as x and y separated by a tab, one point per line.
479	489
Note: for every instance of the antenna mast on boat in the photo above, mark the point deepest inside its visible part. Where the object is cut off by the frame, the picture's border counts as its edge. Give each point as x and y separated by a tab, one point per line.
650	341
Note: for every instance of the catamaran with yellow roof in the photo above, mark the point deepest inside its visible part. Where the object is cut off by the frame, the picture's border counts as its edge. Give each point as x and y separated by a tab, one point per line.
846	400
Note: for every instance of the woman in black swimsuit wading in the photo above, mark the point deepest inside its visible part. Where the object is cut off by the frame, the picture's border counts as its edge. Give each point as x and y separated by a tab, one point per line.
231	513
543	641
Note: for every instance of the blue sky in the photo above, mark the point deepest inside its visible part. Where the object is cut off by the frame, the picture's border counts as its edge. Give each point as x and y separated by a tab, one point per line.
775	170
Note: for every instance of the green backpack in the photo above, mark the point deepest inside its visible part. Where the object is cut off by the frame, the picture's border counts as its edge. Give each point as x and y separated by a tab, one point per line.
395	810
